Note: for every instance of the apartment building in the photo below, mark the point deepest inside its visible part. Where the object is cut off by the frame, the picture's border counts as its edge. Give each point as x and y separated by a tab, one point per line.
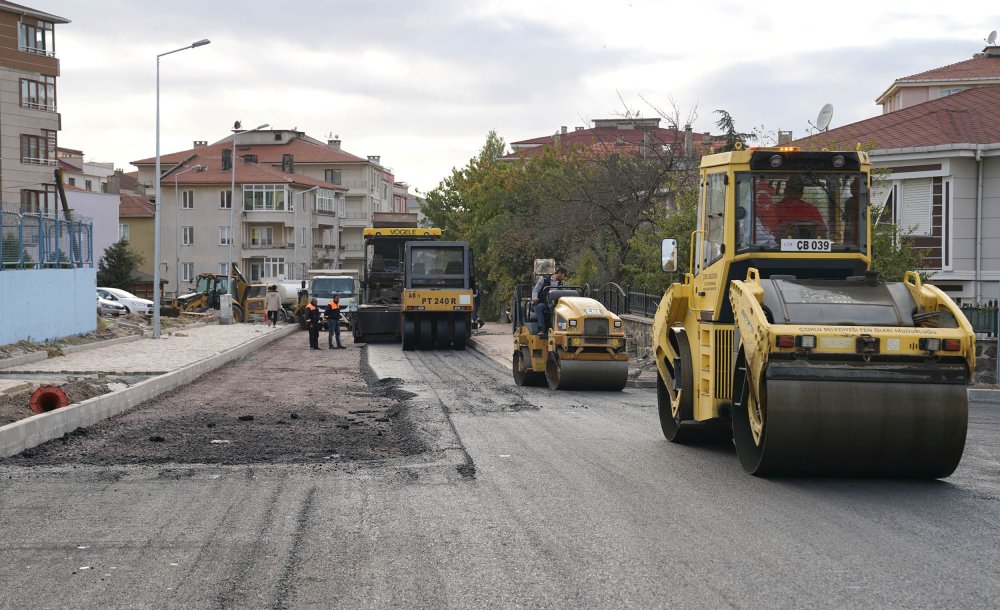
30	122
88	176
305	204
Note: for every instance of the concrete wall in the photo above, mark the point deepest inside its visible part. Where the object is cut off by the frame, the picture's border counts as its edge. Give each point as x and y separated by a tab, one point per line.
103	209
639	331
41	304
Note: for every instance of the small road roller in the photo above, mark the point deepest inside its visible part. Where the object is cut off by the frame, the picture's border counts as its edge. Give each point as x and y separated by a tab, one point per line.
585	347
782	338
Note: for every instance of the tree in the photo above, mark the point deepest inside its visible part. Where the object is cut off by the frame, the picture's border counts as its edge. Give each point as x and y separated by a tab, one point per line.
117	266
9	252
729	132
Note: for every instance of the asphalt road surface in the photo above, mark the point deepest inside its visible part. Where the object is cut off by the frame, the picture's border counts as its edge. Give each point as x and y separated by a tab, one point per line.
523	498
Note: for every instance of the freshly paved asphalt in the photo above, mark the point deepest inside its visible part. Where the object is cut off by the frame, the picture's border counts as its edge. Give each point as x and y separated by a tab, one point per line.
545	500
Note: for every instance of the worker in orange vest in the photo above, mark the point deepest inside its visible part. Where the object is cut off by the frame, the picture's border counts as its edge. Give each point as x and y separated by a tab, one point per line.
333	321
312	323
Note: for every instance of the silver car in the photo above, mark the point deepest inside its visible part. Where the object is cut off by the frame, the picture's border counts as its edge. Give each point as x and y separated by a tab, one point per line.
132	303
109	308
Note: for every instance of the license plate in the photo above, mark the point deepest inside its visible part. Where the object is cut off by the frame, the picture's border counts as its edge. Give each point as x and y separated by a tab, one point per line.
805	245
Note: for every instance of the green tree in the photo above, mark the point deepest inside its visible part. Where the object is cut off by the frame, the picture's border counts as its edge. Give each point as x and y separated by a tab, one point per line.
731	134
118	265
9	252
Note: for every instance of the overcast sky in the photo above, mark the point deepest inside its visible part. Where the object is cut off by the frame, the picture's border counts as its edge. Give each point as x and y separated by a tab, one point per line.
421	82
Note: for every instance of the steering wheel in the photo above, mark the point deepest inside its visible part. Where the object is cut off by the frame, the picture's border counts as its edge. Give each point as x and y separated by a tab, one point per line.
802	229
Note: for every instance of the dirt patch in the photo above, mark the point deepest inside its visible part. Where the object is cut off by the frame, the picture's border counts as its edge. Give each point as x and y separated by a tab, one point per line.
284	404
14	407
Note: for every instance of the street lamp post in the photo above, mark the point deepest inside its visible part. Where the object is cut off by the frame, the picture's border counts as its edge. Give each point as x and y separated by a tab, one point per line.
177	227
225	300
156	211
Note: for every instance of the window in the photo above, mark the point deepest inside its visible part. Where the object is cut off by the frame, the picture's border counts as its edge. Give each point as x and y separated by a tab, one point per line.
262	236
34	202
264	197
222	268
187	236
324	201
256	271
89	185
712	223
71	181
37	38
187	200
187	272
274	267
39	94
225	236
342	206
915	206
123	232
39	149
225	199
952	91
333	176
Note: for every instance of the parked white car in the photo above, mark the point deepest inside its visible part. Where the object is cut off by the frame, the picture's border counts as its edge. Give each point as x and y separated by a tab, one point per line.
132	303
109	308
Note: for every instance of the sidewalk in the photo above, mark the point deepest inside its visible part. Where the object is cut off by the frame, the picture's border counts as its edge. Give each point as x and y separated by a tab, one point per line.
496	341
155	365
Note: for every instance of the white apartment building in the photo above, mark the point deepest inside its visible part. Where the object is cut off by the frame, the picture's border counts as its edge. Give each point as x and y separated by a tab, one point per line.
28	72
305	204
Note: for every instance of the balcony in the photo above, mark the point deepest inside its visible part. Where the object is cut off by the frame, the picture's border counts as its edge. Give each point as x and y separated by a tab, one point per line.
355	219
283	217
249	245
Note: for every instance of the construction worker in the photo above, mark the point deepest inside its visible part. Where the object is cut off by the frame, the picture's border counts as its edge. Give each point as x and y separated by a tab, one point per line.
538	294
333	321
312	323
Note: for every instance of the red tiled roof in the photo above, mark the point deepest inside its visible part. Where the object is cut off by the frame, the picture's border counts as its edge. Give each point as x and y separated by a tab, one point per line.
301	151
210	156
608	138
969	117
135	206
979	67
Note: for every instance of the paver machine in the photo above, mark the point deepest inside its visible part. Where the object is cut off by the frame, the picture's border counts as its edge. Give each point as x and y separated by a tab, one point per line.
437	301
377	316
782	335
585	347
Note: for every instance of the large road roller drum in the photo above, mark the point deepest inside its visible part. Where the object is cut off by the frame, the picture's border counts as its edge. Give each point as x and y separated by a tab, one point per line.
861	421
563	373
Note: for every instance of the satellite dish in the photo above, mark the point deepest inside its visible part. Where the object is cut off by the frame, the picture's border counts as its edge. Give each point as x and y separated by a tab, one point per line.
825	115
237	125
991	38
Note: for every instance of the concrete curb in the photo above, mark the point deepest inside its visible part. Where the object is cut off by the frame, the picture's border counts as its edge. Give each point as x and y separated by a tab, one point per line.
35	430
29	358
74	349
990	396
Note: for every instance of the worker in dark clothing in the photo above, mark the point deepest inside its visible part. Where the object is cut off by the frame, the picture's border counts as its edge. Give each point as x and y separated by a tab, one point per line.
538	294
312	323
333	321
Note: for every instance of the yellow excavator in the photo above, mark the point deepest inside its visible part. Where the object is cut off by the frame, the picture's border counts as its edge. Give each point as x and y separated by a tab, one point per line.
248	299
783	337
585	347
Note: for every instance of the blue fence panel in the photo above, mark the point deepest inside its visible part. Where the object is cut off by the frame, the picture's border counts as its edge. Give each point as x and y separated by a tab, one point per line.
38	241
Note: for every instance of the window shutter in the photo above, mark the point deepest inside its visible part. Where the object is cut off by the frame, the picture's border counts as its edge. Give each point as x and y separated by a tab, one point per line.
915	211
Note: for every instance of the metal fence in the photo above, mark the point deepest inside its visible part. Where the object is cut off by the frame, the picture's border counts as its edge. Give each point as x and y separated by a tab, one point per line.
39	241
983	317
622	301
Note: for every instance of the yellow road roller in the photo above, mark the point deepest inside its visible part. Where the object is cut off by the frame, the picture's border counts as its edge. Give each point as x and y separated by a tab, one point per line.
585	347
782	337
437	299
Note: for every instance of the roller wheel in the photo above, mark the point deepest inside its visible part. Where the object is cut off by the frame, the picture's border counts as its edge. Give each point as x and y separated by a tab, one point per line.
282	316
677	406
409	333
749	417
523	376
237	313
442	334
461	332
426	326
553	371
